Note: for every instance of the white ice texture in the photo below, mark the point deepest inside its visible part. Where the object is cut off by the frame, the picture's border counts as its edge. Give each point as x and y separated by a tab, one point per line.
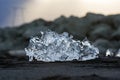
52	47
110	52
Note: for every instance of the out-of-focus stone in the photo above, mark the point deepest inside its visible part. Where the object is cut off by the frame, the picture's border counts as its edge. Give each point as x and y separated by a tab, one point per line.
102	45
34	31
116	21
116	34
60	20
74	25
6	45
78	28
91	17
101	31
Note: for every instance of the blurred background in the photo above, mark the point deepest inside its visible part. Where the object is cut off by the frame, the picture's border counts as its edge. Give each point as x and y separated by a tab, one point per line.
22	11
98	20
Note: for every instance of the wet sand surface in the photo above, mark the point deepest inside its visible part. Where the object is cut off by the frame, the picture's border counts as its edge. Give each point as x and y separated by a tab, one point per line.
24	70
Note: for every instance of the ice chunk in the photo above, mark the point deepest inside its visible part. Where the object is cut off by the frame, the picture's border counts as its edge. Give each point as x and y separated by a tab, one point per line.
112	53
52	47
109	52
118	53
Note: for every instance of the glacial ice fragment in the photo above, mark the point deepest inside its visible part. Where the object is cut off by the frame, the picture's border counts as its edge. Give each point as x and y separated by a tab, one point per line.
52	47
118	53
109	52
112	53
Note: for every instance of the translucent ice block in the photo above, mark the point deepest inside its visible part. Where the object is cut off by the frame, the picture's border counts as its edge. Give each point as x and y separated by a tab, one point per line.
52	47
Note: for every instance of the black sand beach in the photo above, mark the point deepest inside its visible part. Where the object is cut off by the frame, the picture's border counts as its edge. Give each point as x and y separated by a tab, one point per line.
98	69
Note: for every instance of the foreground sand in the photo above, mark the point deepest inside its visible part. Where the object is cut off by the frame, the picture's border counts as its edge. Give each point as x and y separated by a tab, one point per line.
105	69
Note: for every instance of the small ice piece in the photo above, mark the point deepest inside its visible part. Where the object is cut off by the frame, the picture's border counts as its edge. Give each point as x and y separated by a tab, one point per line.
109	52
118	53
52	47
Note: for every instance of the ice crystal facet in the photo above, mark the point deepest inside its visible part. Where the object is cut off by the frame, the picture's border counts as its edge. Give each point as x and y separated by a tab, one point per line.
52	47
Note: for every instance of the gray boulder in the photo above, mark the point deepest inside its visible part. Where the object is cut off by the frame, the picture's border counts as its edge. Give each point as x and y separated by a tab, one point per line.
116	21
75	26
34	31
102	45
60	20
116	34
91	17
115	44
6	45
100	31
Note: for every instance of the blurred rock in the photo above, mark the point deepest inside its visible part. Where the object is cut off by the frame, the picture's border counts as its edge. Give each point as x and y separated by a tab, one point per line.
60	20
116	34
91	17
6	45
102	45
78	27
115	44
116	21
100	31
